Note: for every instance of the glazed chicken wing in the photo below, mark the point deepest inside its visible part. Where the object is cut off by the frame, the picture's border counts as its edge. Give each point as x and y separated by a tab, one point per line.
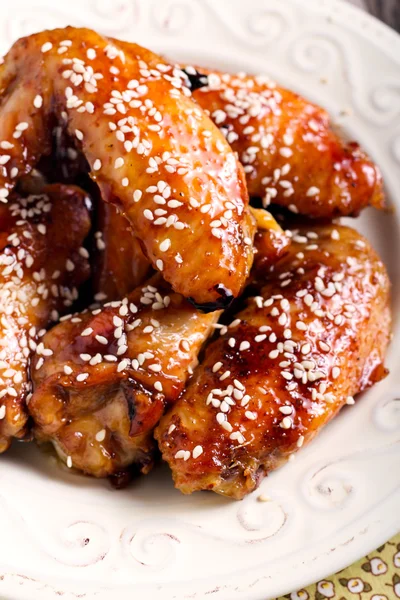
290	154
314	337
109	375
42	262
151	149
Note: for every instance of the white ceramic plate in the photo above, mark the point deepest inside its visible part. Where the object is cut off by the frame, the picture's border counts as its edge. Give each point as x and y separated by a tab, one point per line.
65	535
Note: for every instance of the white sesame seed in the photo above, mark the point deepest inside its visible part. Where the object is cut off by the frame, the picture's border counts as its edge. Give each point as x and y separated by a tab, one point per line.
100	435
46	47
37	101
159	264
165	245
197	451
216	367
82	377
87	332
335	372
69	462
97	165
300	441
244	346
312	191
286	410
350	400
286	423
250	415
79	134
137	194
91	53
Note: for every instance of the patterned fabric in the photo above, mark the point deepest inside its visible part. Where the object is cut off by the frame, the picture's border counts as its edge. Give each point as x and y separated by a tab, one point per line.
375	577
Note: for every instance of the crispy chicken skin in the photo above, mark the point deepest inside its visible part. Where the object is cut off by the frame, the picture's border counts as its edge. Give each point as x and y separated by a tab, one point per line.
111	373
314	337
290	154
151	149
119	264
41	263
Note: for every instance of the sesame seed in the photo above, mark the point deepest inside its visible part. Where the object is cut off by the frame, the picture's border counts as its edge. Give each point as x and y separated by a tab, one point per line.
79	134
312	191
286	423
91	53
69	462
335	372
87	332
197	451
250	415
286	410
82	377
216	367
97	165
350	400
165	245
159	264
3	411
137	194
100	435
37	101
46	47
244	346
122	365
119	162
300	441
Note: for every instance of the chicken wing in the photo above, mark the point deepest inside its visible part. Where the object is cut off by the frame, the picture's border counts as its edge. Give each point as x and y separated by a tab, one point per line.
290	154
314	337
42	262
109	375
119	264
151	149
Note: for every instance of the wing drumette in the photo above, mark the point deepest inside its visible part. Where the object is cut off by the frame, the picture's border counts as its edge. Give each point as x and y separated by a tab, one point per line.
314	337
110	374
41	263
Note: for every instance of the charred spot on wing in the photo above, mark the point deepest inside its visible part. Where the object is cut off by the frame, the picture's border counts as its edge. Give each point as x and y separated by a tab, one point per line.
196	80
224	301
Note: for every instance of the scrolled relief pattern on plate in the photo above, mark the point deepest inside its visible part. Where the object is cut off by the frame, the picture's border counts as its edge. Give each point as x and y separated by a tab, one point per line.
261	517
378	104
386	414
81	544
149	548
73	543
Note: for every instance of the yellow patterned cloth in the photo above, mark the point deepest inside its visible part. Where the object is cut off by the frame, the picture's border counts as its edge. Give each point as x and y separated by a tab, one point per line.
375	577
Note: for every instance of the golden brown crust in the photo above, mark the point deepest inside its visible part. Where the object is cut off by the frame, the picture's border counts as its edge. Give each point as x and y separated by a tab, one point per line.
42	262
150	148
314	337
290	153
111	373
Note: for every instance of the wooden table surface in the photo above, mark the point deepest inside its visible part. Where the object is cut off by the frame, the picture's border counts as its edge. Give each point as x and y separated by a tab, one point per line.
386	10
